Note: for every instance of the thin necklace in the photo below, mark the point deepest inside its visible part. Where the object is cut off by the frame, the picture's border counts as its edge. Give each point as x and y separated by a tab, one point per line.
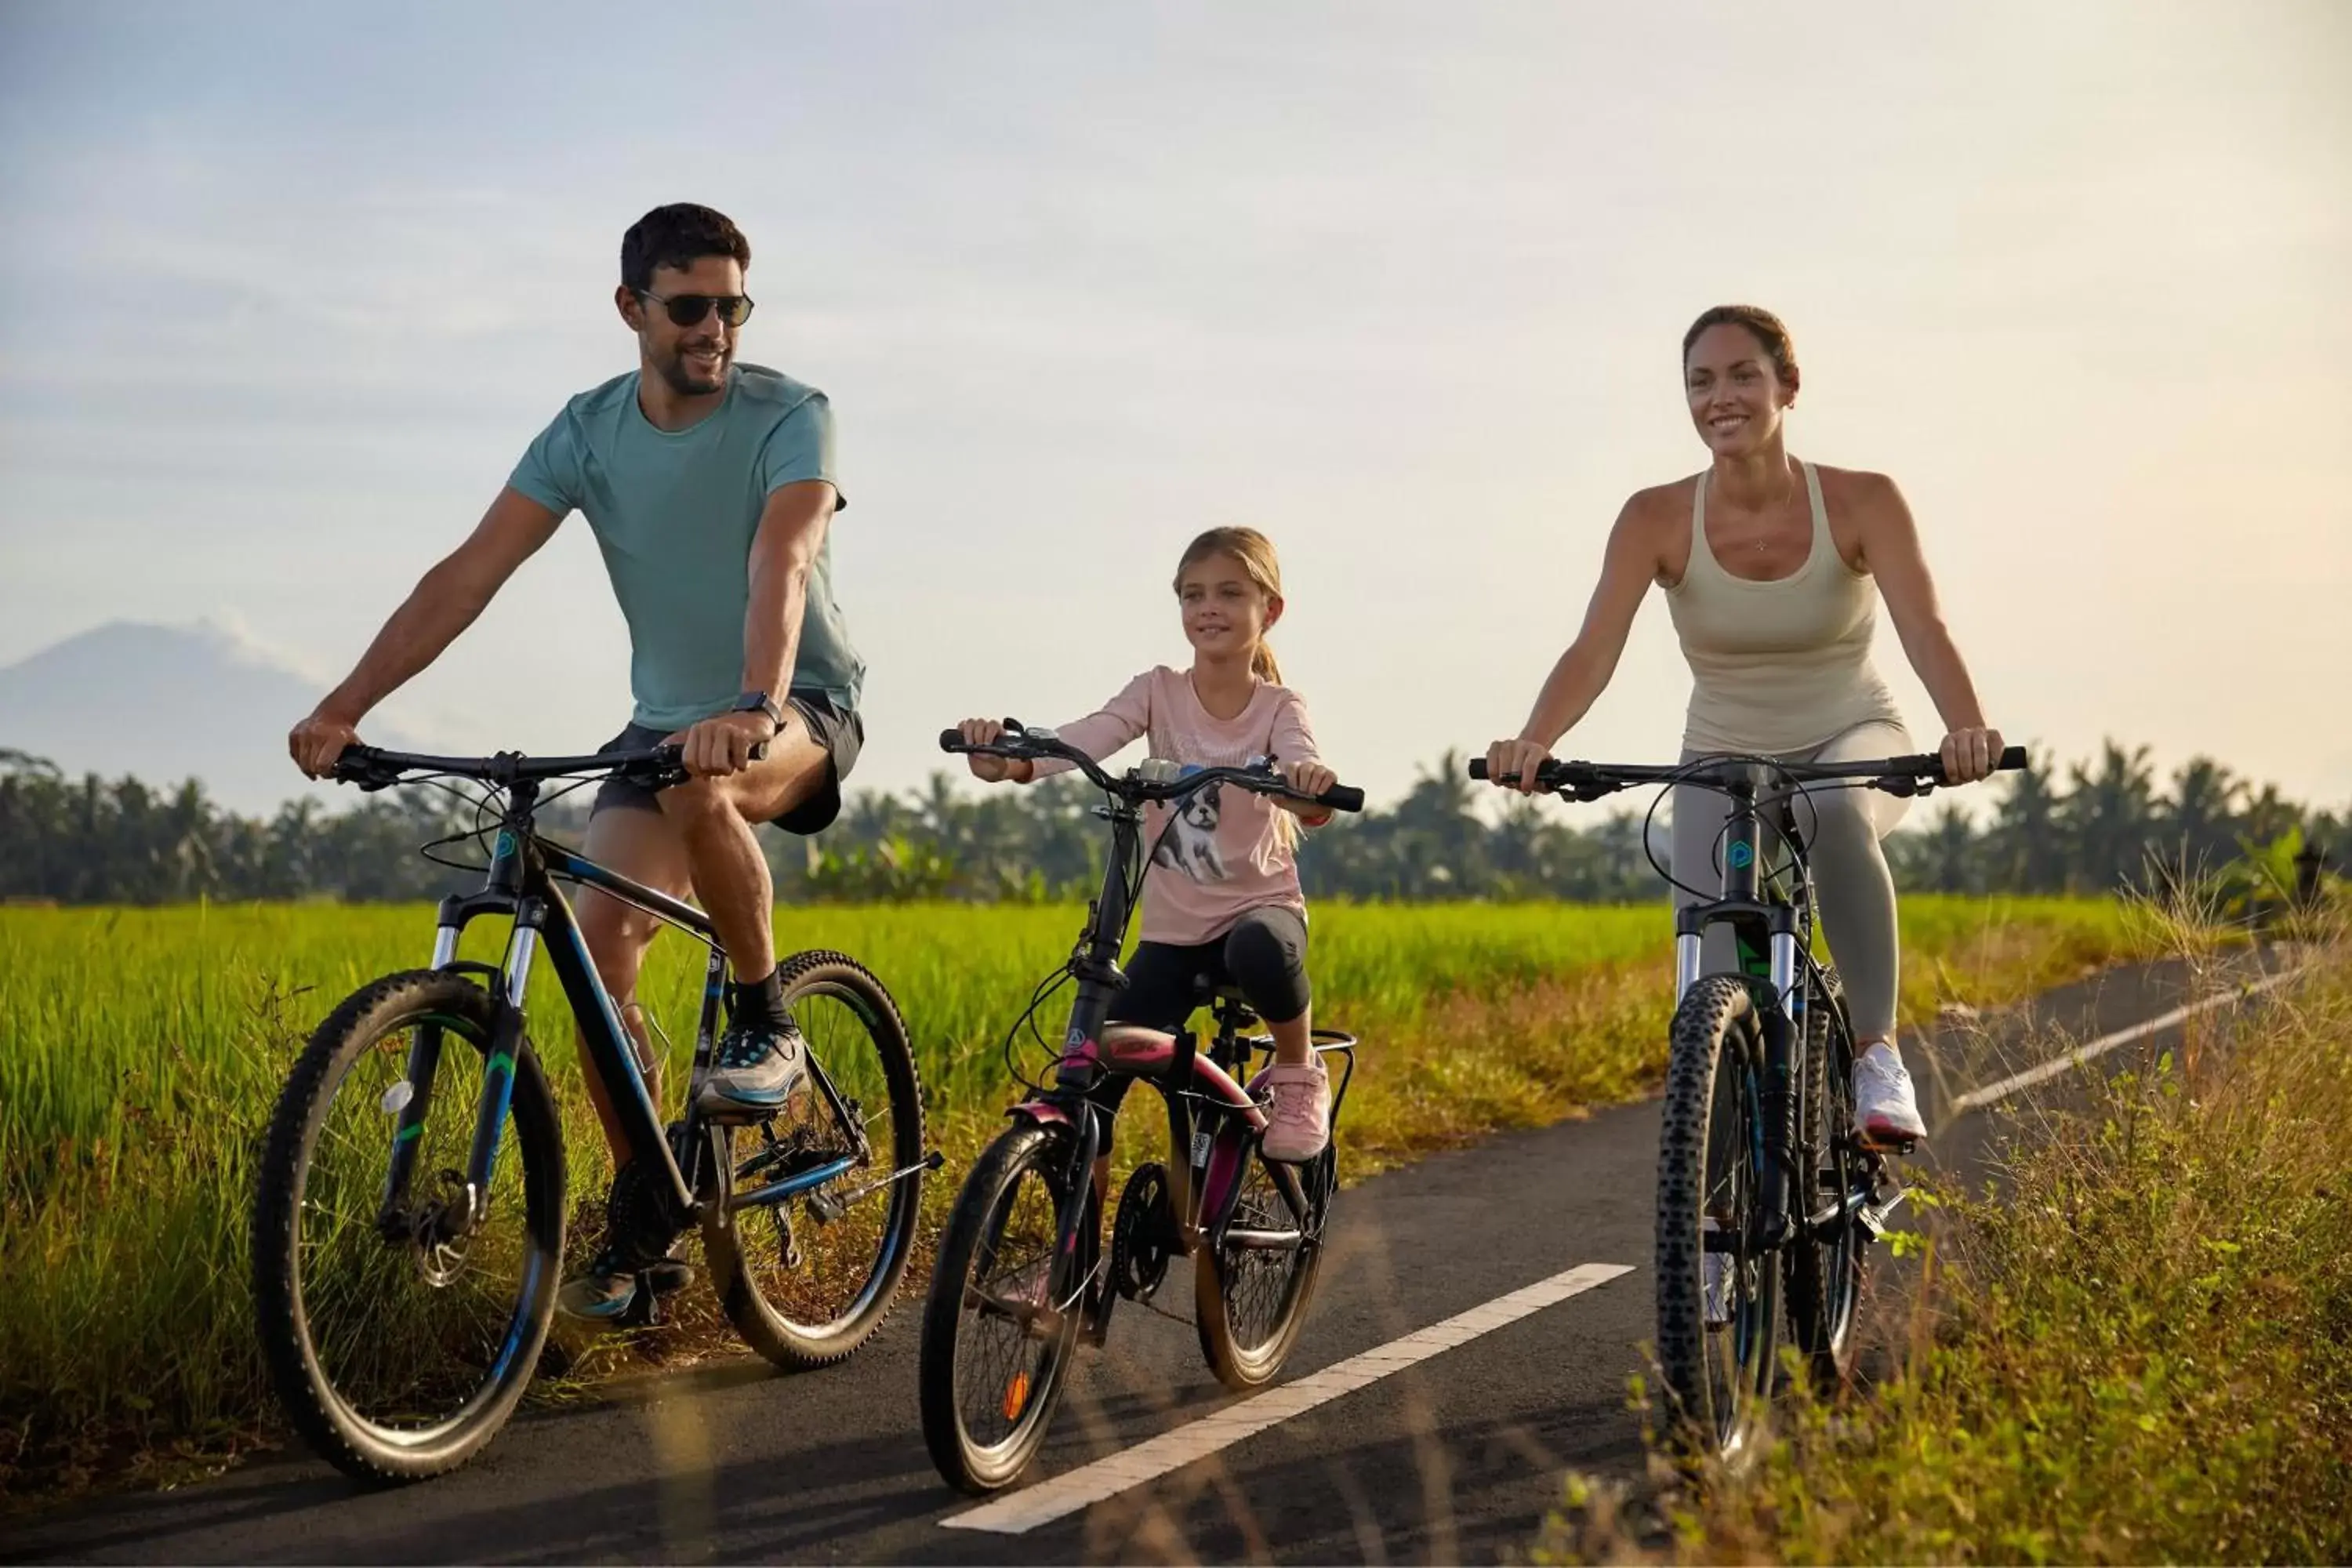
1787	492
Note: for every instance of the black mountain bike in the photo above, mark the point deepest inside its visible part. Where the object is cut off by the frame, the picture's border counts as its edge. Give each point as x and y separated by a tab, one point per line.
403	1273
1022	1272
1759	1163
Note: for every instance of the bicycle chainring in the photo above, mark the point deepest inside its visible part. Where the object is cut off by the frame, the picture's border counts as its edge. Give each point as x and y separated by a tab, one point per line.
1142	1237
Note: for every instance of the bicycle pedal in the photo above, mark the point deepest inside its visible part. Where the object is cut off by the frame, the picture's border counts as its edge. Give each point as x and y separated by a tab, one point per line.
644	1311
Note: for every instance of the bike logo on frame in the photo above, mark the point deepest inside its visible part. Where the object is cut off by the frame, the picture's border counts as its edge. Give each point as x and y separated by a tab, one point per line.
1742	857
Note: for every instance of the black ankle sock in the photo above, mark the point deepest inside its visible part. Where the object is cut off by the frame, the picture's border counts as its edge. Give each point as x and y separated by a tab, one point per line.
763	1002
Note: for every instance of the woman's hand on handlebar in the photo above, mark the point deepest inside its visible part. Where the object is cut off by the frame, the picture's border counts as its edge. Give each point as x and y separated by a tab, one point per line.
988	769
1512	764
1307	779
1971	753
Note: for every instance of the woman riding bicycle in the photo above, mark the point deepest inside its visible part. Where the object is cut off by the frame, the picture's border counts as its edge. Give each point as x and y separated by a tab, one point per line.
1222	899
1768	565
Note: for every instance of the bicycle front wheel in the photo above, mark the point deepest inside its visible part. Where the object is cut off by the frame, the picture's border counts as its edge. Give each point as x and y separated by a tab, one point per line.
398	1335
1001	1326
1718	1298
807	1277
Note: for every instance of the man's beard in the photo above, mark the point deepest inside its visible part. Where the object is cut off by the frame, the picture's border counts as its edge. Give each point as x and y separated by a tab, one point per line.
683	383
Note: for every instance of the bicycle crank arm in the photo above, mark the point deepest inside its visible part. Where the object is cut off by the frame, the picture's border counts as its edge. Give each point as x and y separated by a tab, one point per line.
830	1206
1264	1241
1037	1323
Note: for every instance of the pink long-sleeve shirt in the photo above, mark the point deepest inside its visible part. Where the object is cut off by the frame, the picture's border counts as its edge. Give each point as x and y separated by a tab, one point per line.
1225	854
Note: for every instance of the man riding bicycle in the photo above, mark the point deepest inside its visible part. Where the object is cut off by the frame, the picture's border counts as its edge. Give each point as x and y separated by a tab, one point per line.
711	488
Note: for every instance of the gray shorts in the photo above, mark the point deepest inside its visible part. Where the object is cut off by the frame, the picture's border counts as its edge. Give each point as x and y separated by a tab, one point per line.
841	733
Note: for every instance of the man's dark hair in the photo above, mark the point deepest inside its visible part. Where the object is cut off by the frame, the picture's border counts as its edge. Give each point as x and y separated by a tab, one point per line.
677	235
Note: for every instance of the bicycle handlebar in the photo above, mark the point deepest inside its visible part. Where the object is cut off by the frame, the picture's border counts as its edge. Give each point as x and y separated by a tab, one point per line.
1019	745
656	767
1895	775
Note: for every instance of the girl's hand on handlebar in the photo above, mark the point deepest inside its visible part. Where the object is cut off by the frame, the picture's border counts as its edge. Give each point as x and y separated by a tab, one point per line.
1971	753
993	770
1512	764
1308	778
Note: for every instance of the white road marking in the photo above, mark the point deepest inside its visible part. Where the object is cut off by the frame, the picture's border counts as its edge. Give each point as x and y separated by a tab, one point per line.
1089	1484
1978	1098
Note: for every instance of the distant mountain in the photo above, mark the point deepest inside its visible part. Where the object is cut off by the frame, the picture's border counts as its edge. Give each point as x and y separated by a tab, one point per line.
165	703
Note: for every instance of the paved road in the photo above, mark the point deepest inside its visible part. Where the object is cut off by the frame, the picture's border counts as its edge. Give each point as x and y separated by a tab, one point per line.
1457	1456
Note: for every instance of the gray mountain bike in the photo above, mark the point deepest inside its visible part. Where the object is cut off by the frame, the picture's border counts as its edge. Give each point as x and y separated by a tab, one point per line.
1759	1162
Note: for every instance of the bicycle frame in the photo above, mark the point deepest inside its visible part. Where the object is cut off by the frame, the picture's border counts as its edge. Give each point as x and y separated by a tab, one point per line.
522	885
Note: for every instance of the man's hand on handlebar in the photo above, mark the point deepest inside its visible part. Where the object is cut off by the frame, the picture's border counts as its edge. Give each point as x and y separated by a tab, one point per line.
1512	764
988	769
723	746
318	740
1970	755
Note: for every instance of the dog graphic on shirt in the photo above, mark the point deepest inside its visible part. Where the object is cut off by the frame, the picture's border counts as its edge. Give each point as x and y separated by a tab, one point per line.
1189	842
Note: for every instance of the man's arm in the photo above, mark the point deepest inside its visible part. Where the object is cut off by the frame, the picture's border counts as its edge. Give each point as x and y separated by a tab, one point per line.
445	602
783	556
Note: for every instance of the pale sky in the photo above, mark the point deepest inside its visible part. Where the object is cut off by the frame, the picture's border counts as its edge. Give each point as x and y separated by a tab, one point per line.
288	289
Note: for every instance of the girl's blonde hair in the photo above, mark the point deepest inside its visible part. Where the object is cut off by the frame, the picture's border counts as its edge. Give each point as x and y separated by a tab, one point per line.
1255	550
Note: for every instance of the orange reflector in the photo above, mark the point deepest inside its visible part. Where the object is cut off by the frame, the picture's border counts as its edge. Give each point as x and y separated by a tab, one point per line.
1016	1396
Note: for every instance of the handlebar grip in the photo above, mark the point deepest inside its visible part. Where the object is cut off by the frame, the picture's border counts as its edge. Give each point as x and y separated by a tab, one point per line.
1341	797
2013	760
951	740
1478	768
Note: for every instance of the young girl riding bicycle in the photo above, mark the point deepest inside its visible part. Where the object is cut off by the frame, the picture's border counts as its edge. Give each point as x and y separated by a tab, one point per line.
1222	899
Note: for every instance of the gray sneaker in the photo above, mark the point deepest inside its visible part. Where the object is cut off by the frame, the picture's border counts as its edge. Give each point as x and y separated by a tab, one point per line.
754	1072
609	1288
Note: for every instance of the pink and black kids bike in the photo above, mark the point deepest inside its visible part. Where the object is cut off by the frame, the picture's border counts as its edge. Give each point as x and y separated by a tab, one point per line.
1023	1272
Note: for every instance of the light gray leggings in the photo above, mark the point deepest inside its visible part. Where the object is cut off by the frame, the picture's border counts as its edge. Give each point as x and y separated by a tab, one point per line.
1842	828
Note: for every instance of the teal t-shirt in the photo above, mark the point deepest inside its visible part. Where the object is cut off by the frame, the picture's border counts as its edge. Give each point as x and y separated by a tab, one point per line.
675	512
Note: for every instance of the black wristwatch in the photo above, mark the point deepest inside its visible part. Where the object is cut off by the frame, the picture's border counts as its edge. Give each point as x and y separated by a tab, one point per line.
759	702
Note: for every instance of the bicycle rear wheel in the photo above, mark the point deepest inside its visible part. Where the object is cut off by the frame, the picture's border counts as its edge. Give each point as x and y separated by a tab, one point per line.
1251	1291
1825	1270
1001	1325
398	1350
1716	1354
807	1280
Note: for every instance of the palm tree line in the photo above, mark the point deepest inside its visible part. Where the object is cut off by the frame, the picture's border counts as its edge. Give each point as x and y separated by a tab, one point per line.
2089	826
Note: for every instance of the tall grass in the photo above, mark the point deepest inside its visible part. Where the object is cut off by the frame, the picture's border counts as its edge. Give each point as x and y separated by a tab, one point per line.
2138	1348
141	1052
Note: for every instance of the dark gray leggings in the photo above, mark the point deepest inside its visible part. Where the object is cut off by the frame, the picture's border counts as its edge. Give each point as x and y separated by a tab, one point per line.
1841	829
1265	954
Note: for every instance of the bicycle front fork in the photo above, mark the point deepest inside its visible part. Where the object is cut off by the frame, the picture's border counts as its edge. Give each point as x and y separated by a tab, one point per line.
394	1216
1783	1028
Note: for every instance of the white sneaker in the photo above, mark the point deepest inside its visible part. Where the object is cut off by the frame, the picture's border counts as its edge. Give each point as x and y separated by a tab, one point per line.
1885	1110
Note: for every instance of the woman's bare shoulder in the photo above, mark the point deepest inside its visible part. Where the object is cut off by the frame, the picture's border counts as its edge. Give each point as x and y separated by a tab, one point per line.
1856	489
1657	506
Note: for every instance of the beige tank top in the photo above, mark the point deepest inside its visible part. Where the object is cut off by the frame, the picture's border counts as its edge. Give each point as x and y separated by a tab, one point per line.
1781	666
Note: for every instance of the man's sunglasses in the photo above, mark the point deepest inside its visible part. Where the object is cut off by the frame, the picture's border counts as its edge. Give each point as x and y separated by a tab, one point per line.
687	309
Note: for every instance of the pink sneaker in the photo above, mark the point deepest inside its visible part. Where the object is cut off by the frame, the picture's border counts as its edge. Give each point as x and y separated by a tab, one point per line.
1298	1120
